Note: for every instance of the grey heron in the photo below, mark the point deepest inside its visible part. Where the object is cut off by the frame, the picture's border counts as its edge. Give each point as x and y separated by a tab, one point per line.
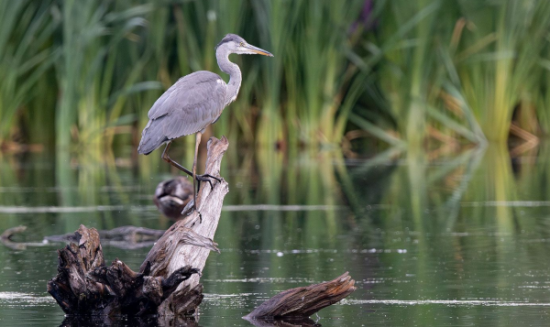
194	102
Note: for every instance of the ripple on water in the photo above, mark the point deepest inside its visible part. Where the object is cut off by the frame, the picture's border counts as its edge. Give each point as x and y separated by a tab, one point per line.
16	299
446	302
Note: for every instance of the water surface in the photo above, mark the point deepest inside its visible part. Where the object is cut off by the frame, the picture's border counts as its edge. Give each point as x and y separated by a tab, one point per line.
457	240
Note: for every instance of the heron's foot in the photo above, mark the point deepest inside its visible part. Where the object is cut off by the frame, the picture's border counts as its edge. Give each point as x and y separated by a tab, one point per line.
206	178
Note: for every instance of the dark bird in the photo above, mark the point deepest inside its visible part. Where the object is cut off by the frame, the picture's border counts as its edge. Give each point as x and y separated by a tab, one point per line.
194	102
172	196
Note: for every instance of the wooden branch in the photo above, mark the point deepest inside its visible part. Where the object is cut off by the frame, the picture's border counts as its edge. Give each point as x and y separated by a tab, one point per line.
189	241
302	302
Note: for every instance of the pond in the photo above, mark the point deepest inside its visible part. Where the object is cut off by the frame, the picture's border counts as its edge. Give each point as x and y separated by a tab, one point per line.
430	239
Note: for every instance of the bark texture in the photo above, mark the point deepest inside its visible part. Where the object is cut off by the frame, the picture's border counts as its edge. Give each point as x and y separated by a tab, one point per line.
302	302
84	285
189	241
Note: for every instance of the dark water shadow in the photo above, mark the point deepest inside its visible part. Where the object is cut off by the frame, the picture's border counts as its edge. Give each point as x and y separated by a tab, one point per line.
149	321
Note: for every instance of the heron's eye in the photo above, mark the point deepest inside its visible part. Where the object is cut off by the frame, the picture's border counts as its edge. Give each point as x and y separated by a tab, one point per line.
241	44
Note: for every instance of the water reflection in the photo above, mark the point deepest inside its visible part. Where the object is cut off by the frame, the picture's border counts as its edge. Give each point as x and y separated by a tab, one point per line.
287	322
150	321
462	239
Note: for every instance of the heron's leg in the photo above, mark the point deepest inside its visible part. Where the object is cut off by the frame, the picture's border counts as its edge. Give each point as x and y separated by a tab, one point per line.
167	158
195	190
204	177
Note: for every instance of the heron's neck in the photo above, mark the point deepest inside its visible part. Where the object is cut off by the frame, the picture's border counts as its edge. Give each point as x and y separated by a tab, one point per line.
234	72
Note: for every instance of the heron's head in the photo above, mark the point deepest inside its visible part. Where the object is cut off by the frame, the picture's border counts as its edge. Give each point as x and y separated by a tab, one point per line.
233	43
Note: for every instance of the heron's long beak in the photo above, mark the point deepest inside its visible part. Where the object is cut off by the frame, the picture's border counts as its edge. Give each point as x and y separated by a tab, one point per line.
258	50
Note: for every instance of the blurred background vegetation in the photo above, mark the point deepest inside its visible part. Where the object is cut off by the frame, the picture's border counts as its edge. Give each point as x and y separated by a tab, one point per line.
421	83
359	74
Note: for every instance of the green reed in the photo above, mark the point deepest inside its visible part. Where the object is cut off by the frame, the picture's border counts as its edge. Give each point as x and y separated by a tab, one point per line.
94	81
500	59
83	75
26	29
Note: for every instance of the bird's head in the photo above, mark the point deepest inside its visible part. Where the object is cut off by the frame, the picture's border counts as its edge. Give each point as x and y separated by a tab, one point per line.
233	43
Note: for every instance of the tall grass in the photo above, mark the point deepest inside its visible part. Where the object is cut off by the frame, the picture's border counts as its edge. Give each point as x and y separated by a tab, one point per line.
442	73
460	67
26	29
407	75
91	72
499	65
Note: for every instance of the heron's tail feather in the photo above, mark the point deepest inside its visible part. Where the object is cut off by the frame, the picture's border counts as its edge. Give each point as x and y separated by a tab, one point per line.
150	140
145	150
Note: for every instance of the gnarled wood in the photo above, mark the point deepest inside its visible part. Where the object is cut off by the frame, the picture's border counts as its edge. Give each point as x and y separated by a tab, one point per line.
304	301
85	285
170	253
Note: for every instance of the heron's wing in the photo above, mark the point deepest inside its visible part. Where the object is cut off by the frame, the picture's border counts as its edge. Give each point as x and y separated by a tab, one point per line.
188	106
199	90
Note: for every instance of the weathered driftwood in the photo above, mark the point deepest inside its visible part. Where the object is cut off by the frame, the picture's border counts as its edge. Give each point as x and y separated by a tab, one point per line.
302	302
172	196
85	285
173	250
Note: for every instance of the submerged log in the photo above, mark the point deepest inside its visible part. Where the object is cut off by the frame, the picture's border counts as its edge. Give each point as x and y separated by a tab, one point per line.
302	302
6	239
168	280
124	237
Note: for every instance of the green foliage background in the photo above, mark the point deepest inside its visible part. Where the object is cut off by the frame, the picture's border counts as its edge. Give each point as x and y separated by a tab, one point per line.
83	74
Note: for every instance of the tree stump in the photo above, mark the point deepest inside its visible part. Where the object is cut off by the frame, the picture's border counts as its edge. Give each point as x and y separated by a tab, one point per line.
86	286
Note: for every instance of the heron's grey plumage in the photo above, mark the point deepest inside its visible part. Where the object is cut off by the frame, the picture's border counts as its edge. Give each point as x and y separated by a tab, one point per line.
177	113
194	101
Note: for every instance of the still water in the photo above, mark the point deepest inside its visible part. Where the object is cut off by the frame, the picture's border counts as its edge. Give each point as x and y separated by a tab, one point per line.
431	240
